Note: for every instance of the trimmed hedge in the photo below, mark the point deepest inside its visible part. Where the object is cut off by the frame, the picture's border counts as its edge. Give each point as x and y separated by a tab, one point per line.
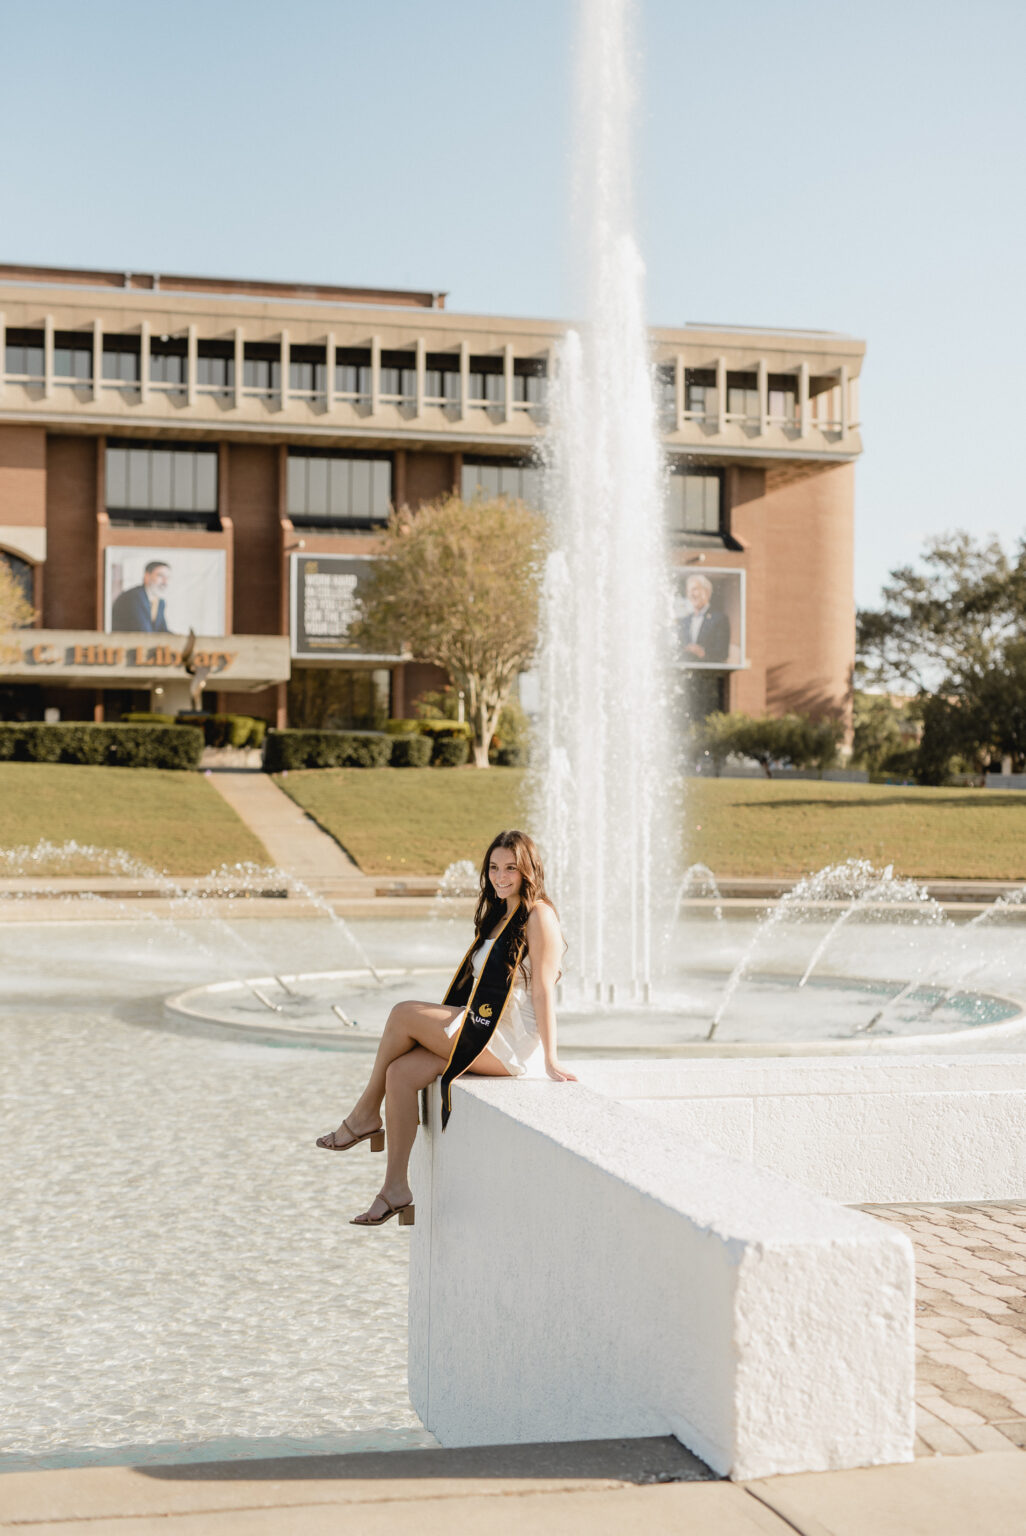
450	752
411	751
218	730
325	749
117	746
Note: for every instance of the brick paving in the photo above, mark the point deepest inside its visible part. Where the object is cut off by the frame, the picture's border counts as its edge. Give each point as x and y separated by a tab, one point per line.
970	1324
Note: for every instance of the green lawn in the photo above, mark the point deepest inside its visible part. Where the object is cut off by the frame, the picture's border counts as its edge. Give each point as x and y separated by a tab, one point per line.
175	822
789	827
409	821
416	821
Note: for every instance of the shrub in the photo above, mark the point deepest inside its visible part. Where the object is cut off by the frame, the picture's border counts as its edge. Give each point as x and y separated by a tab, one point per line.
795	741
446	730
325	749
449	752
511	757
402	727
120	746
145	717
410	751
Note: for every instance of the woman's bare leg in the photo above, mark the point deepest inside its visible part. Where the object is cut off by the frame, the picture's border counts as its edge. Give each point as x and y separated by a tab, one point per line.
408	1025
404	1078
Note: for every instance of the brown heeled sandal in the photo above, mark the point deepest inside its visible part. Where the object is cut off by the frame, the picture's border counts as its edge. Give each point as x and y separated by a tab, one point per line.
404	1212
376	1139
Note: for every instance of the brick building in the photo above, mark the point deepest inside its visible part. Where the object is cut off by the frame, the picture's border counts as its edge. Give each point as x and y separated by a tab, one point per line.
199	453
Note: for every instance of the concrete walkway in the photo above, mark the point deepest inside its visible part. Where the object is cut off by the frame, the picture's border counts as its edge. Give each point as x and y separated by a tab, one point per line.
610	1488
295	843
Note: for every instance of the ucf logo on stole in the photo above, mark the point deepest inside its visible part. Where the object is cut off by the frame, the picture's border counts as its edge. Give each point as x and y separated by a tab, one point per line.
482	1016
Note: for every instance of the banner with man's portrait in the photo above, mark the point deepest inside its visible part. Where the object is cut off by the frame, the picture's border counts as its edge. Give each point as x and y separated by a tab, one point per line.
709	617
164	591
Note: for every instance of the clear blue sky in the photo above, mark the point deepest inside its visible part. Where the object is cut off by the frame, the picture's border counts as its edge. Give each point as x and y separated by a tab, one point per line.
852	167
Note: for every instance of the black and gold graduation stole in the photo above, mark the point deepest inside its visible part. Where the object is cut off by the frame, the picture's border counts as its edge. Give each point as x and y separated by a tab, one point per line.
486	1001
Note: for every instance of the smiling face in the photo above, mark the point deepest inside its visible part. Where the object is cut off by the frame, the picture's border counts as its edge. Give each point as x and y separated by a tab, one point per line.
503	873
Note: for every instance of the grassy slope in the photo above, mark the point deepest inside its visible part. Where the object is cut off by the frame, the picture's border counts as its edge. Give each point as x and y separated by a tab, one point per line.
173	821
410	821
416	821
748	827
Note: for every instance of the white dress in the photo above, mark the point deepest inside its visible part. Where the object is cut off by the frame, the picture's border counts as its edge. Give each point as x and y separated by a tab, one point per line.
515	1041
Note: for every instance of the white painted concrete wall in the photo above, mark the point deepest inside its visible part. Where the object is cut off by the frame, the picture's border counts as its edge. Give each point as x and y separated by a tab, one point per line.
583	1268
898	1129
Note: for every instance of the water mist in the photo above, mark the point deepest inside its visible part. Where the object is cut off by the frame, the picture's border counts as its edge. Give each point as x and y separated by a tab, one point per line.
603	801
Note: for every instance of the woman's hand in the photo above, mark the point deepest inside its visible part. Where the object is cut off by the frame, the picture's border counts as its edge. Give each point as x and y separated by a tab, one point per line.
558	1072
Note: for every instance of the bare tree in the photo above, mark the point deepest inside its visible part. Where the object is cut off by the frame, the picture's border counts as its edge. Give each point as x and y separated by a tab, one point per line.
16	612
458	585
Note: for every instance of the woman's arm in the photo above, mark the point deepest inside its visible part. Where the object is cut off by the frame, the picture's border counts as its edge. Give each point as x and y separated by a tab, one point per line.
545	948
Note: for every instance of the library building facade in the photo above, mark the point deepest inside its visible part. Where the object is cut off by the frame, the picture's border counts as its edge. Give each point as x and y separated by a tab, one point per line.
188	453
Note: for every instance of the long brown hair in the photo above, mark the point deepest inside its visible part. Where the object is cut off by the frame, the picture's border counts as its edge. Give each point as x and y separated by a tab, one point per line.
491	909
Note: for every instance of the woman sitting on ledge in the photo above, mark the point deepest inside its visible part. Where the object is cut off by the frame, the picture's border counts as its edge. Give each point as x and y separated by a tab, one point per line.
498	1020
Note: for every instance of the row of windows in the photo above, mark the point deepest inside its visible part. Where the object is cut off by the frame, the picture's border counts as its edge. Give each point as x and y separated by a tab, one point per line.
522	482
331	489
215	370
162	480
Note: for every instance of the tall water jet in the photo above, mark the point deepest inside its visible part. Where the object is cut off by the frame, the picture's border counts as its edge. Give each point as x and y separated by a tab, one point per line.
602	760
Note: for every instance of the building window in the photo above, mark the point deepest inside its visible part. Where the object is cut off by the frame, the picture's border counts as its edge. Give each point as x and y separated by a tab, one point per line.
121	359
338	490
24	354
398	377
782	402
700	393
743	396
215	367
353	374
261	369
666	392
502	477
72	357
22	572
487	381
442	379
307	371
695	501
529	380
169	363
159	483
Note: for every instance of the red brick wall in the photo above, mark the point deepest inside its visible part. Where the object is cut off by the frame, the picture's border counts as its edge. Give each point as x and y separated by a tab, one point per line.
252	504
69	583
428	475
23	476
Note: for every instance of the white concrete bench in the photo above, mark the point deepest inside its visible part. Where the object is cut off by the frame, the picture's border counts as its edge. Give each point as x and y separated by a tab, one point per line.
584	1268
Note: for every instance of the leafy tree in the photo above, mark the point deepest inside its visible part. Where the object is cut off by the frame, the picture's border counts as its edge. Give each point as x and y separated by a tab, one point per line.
947	621
16	612
458	586
884	733
792	741
955	631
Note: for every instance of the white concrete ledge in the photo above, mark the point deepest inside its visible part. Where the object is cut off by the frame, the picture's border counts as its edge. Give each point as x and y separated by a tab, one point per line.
585	1269
868	1131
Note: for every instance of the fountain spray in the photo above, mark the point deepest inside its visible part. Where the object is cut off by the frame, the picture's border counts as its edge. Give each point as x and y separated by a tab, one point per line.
603	804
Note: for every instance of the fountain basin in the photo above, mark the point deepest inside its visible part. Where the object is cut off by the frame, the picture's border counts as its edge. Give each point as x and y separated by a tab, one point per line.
773	1015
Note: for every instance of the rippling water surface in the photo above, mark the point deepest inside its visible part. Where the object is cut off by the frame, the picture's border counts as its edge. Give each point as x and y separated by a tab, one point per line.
178	1264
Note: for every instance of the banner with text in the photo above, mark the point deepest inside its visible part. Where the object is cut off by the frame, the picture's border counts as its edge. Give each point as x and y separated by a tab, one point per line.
325	603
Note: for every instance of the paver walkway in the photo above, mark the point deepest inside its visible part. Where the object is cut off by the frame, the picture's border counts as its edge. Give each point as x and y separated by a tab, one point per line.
970	1324
294	841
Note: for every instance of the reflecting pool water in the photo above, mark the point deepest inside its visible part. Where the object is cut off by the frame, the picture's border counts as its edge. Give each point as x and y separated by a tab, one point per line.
179	1264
